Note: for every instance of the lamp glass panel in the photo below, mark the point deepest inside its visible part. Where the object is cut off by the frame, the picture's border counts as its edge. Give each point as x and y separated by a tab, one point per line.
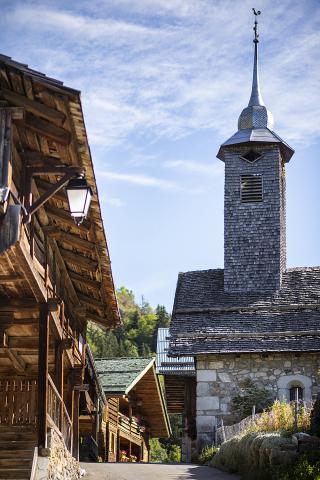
87	202
78	201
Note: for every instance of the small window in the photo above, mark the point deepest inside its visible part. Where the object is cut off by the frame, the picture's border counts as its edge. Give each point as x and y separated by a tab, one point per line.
251	156
251	188
293	393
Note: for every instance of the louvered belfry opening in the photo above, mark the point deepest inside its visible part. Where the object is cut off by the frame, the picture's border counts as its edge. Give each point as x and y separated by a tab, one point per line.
251	190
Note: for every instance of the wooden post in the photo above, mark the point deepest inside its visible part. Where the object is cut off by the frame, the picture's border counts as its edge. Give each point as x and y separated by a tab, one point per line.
223	431
59	376
43	375
118	447
130	449
75	424
296	403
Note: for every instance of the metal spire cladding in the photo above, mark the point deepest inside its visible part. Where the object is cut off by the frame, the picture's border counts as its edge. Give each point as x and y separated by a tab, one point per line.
255	115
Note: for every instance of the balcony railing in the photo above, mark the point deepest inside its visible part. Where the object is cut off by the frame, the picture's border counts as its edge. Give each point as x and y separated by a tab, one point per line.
130	425
58	414
18	402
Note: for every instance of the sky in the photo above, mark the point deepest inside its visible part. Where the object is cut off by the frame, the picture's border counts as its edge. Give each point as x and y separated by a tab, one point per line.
163	83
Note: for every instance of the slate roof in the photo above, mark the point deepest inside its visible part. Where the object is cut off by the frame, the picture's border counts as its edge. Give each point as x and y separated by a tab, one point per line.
118	375
264	135
206	319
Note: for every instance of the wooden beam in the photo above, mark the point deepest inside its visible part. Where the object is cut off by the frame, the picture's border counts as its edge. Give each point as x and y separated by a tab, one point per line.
33	106
88	282
46	129
43	375
91	301
101	320
69	238
65	218
11	278
16	361
78	259
26	305
39	159
75	424
19	321
23	343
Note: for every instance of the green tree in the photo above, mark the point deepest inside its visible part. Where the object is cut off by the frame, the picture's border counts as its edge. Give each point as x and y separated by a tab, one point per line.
157	453
137	334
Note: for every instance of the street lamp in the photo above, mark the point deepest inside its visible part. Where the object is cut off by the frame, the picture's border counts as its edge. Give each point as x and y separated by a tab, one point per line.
79	197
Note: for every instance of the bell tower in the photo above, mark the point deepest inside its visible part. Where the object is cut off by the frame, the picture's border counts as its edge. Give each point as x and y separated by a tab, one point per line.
254	196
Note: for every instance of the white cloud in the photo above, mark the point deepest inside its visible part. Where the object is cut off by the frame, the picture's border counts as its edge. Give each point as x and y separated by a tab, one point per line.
139	179
196	167
164	69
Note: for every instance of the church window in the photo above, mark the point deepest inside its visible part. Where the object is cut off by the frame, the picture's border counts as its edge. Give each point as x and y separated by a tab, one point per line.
293	393
251	188
251	156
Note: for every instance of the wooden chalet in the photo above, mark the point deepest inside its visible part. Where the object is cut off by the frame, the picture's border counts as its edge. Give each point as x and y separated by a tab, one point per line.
136	409
180	387
55	274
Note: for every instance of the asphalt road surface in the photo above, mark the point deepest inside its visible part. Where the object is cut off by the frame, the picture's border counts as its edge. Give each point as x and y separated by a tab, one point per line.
151	471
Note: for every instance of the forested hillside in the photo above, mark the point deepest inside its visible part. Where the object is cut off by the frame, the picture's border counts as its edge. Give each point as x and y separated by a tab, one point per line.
137	336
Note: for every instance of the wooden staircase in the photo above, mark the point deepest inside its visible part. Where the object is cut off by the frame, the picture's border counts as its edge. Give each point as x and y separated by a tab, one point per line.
16	451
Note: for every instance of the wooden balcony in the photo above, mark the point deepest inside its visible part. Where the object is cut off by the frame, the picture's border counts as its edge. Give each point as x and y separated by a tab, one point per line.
130	429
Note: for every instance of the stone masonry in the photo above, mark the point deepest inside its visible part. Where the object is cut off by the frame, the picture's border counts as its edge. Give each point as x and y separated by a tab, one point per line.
219	379
254	233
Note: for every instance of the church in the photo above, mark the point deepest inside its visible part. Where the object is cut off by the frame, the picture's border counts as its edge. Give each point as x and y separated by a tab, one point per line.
255	319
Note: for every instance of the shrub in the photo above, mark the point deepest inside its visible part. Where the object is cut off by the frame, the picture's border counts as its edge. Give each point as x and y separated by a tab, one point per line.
174	454
251	452
207	454
250	395
157	453
301	470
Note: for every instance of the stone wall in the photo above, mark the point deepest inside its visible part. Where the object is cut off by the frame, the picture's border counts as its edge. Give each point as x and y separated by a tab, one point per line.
254	233
58	464
219	378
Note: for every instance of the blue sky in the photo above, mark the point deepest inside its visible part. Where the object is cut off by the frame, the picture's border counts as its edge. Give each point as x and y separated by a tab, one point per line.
163	83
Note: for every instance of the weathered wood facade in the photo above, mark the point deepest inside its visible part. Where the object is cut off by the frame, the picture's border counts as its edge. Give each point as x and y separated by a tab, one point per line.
180	388
55	275
136	409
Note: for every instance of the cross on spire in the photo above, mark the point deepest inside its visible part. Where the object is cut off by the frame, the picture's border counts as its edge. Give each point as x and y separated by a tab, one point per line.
255	28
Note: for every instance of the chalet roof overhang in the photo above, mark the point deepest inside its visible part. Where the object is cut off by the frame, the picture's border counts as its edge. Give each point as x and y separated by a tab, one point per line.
137	377
52	133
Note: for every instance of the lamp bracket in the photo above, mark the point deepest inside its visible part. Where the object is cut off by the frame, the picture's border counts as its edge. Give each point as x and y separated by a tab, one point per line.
31	172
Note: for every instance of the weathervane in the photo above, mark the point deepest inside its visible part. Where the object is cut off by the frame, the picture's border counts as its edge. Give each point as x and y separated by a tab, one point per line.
255	28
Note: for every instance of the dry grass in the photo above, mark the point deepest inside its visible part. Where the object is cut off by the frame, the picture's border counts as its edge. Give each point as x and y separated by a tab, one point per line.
281	417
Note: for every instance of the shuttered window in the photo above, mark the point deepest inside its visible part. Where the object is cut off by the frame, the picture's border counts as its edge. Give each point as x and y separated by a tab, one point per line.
251	188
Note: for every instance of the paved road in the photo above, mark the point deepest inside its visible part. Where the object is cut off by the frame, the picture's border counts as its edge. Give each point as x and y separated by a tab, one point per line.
152	471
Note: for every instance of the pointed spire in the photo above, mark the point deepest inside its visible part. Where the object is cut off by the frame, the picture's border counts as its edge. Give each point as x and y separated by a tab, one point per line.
256	97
